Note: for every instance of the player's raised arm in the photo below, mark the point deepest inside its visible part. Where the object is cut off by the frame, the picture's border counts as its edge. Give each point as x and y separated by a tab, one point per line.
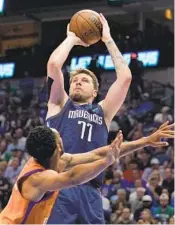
55	79
118	91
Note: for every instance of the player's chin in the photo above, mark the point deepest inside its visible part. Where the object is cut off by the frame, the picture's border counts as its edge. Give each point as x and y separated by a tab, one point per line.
77	97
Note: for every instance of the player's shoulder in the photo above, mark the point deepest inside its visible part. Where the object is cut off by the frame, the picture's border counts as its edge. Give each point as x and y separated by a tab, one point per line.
36	178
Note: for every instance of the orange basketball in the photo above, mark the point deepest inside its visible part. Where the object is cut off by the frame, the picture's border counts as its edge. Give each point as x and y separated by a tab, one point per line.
87	26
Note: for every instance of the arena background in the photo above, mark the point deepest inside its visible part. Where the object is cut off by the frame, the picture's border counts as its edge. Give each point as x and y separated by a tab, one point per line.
29	32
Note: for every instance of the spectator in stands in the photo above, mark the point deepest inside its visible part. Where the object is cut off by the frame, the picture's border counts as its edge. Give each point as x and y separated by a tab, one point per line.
164	210
123	120
117	183
154	189
149	125
135	199
121	196
126	217
117	212
146	204
170	154
5	189
126	162
161	154
13	169
114	127
155	165
106	208
168	182
136	67
21	140
146	217
156	173
128	172
34	120
136	132
163	116
136	174
138	183
2	119
143	157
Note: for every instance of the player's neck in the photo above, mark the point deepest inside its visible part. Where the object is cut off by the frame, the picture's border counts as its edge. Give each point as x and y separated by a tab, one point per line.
83	103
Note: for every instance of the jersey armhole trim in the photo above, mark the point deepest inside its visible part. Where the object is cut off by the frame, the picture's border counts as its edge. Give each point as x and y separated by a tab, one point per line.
26	175
52	117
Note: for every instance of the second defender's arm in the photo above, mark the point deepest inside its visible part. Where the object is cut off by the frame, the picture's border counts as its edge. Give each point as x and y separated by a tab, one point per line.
154	140
132	146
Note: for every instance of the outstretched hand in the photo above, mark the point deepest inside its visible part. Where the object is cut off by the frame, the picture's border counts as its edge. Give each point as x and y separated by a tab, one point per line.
115	146
164	131
77	40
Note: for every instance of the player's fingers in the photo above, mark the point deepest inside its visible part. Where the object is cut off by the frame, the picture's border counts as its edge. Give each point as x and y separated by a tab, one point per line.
101	19
164	124
161	144
166	135
168	132
118	147
120	140
80	42
104	19
169	127
113	144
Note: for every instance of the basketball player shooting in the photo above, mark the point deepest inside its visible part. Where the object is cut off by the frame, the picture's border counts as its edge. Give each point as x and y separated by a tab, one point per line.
84	126
39	182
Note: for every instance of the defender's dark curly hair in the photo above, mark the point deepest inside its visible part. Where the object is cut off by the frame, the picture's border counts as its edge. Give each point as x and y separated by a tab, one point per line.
41	144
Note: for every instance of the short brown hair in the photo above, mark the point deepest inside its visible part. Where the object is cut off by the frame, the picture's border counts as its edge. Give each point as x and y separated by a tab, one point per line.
87	72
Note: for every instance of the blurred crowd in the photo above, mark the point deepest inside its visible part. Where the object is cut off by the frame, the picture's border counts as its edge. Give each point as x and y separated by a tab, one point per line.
138	189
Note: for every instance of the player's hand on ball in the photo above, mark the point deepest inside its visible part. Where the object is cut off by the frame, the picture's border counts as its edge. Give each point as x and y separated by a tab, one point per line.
116	144
164	131
106	35
77	40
